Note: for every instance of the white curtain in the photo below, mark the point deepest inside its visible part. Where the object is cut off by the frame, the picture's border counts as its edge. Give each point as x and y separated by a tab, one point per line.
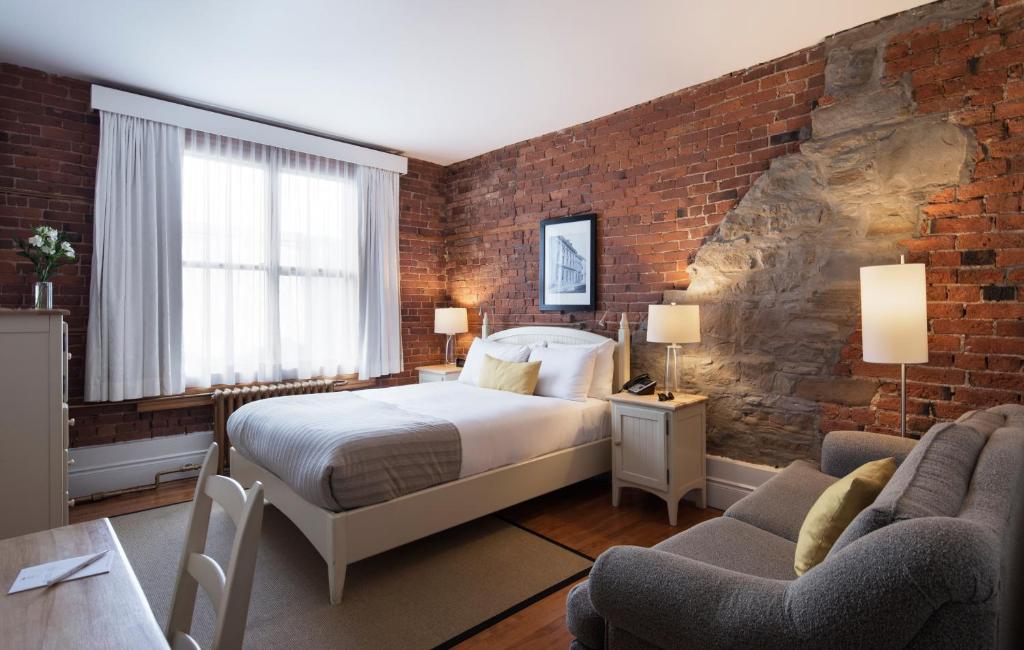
133	344
271	263
380	332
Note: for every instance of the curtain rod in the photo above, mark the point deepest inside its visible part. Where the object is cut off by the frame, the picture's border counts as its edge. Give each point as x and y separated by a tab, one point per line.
188	117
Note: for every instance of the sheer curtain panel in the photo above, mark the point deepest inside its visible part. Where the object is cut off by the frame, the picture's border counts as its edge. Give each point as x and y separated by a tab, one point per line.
134	339
270	263
380	333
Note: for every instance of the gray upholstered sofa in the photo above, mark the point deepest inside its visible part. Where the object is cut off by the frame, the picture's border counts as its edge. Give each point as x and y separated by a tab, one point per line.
933	563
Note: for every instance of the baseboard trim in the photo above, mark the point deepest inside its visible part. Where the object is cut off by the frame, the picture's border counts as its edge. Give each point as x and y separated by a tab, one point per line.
101	468
730	480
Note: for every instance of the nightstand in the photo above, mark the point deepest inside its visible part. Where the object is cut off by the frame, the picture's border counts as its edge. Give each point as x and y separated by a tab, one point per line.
659	447
440	372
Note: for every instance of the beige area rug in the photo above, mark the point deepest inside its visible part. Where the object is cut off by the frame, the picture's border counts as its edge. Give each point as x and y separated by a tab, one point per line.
417	596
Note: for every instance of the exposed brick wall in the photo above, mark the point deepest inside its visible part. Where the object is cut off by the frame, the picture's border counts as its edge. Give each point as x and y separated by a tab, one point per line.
48	147
660	176
423	280
972	237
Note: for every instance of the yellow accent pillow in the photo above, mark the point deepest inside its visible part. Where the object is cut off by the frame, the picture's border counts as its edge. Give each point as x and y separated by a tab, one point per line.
510	376
836	508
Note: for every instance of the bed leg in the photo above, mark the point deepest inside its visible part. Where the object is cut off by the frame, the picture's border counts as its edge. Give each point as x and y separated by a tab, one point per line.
336	578
337	558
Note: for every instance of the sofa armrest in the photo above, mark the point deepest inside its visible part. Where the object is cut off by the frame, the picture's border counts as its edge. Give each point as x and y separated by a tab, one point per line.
885	587
673	601
844	451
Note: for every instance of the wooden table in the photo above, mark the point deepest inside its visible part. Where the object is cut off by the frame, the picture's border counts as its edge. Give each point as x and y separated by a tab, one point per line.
108	610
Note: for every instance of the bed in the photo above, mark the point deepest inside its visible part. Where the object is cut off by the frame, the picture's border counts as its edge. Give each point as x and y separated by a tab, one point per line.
506	460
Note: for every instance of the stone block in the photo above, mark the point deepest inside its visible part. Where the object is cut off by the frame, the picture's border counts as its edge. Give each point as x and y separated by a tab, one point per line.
837	390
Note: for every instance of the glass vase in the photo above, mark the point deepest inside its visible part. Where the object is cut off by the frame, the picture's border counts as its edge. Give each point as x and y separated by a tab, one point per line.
43	293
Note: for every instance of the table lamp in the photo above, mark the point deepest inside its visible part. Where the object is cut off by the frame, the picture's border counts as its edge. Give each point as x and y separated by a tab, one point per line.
450	321
673	324
894	319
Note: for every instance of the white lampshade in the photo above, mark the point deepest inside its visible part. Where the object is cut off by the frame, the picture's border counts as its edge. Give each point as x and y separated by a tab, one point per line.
450	320
893	312
673	323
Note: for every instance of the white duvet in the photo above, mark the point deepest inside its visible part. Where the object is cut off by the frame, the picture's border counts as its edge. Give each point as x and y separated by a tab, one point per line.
499	428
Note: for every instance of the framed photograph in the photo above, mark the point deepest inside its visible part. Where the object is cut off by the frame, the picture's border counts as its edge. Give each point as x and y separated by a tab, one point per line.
568	263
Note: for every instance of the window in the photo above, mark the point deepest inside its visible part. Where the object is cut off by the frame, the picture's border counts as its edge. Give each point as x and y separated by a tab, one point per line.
270	277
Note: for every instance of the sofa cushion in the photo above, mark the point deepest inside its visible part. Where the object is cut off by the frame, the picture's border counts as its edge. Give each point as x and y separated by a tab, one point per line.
836	508
582	619
731	544
781	504
931	482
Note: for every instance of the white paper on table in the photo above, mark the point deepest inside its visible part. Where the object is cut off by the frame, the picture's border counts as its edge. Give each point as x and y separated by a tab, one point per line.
34	577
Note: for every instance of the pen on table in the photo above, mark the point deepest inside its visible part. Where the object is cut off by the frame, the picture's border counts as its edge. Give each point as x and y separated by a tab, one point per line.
78	567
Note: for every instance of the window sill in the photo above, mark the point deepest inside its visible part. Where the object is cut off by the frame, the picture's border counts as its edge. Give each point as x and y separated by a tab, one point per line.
198	398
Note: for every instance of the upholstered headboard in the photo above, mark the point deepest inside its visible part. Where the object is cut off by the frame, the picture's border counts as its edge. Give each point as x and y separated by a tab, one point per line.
570	336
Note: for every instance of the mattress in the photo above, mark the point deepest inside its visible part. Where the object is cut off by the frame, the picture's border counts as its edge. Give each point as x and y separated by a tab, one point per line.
346	450
499	428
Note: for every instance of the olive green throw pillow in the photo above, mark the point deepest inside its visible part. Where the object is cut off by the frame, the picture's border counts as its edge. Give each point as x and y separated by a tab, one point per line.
509	376
836	508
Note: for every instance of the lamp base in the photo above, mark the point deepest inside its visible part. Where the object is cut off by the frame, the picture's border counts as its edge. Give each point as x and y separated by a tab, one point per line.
672	367
449	350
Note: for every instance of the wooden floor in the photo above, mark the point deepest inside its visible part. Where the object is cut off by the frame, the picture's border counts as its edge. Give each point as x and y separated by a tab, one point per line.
580	517
168	493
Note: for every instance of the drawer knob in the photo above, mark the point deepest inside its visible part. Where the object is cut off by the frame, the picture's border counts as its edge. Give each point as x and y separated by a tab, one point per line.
71	503
71	461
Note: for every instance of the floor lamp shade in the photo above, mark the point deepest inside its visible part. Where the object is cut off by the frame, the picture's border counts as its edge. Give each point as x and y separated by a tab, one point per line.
894	318
673	323
450	320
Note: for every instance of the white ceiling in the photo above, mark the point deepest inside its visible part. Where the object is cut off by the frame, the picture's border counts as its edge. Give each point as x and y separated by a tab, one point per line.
442	80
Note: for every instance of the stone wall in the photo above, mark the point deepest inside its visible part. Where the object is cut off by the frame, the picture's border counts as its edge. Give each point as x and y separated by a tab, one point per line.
778	283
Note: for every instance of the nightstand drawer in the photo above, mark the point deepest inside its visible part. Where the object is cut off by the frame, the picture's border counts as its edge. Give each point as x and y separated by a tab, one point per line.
640	446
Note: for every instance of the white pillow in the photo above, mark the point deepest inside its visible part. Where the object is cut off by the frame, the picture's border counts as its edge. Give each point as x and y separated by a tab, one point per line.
604	367
475	358
566	372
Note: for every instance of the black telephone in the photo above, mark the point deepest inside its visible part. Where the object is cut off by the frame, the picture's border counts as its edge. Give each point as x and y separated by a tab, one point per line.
640	385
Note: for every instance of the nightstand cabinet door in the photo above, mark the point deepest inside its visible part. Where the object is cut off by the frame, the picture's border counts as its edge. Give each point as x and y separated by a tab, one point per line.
639	446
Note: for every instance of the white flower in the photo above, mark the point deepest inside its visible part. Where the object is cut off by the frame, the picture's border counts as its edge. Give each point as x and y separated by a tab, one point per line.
48	248
51	234
36	241
67	250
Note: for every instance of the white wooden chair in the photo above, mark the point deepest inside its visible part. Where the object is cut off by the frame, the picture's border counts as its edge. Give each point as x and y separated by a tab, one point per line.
229	595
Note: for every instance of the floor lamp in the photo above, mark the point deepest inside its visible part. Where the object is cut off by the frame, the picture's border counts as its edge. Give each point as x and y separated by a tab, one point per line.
894	319
450	321
673	324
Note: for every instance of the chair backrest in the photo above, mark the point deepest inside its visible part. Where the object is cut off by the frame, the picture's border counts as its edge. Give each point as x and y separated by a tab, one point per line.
230	594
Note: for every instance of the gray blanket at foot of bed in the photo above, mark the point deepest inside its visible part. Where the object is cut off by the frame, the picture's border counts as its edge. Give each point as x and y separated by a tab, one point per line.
340	451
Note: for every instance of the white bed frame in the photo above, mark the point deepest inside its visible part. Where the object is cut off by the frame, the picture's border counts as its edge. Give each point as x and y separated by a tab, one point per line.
346	537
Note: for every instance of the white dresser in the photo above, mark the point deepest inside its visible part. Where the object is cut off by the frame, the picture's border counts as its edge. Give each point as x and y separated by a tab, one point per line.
33	421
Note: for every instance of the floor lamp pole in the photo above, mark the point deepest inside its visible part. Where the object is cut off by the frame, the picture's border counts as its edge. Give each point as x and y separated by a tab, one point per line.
903	400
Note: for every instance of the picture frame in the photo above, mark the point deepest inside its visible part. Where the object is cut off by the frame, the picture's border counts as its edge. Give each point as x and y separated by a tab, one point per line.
568	263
